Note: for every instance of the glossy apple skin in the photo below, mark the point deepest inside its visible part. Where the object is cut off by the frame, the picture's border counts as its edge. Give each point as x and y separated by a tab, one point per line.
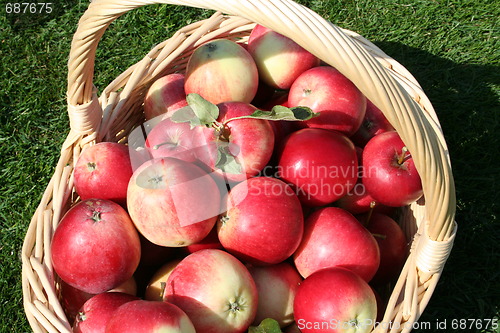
143	316
160	201
324	89
222	71
165	96
264	222
103	171
390	183
359	201
171	139
72	299
215	290
95	247
96	312
276	287
373	123
279	59
251	141
321	165
335	238
337	297
392	243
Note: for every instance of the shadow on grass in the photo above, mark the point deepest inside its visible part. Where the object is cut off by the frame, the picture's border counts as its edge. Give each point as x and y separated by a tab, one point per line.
468	107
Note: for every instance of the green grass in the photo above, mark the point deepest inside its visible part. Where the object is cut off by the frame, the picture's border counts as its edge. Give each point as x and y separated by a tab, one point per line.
451	47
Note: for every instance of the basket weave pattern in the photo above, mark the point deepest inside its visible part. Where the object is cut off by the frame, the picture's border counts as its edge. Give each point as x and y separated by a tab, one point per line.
112	115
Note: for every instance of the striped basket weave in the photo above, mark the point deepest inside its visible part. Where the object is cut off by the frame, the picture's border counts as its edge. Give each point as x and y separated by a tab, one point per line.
112	115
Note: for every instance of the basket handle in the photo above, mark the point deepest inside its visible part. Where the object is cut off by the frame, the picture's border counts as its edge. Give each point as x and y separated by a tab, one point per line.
421	134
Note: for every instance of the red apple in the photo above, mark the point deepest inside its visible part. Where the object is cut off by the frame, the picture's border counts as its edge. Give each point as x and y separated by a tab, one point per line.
389	173
335	238
392	243
143	316
324	89
373	123
72	299
320	164
359	201
103	171
215	290
95	248
96	312
335	300
276	288
279	59
222	71
171	139
264	223
160	201
249	141
165	95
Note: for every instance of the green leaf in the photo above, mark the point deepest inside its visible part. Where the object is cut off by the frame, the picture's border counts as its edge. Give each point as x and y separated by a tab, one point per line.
280	112
225	160
185	115
268	325
206	112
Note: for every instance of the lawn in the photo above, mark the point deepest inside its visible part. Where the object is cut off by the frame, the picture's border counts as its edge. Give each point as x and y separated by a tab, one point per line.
451	47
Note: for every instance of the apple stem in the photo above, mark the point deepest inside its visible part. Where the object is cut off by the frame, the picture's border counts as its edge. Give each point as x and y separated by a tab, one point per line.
380	236
82	316
96	216
91	166
163	285
156	179
370	213
233	307
156	147
354	323
404	156
218	125
224	219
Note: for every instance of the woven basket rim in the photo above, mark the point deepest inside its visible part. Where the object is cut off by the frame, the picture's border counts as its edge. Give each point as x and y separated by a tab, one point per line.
44	312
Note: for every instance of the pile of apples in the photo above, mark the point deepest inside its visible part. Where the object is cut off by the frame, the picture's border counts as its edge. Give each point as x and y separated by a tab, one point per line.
261	199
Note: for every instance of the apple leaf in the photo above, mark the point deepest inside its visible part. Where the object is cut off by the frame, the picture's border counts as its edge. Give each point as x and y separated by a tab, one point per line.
198	112
206	112
268	325
225	160
280	112
185	115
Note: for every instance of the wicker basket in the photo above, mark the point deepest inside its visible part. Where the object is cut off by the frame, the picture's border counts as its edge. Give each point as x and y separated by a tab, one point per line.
112	115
